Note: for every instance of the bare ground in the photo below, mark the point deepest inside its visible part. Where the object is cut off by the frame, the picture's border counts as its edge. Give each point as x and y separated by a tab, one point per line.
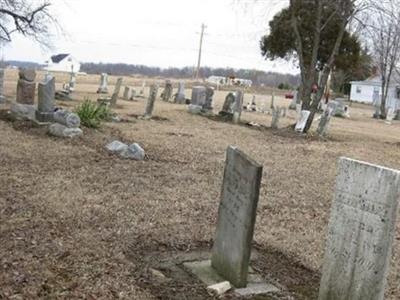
77	222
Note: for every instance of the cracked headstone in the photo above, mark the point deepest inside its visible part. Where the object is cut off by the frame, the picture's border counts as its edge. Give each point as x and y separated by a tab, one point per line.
150	102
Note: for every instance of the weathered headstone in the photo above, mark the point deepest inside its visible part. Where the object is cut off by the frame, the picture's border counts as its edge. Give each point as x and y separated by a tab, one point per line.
126	93
229	103
150	103
198	99
26	87
276	115
301	124
167	93
103	89
323	125
46	99
180	97
117	89
360	234
292	105
236	217
72	83
208	104
133	95
238	107
66	118
2	97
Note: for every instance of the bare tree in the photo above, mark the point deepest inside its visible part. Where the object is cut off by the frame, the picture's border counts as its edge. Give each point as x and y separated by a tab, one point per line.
383	33
27	17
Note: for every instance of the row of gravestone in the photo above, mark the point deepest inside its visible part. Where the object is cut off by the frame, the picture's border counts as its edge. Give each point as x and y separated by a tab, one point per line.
360	232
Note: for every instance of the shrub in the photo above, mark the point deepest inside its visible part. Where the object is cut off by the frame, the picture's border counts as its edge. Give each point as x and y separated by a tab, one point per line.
92	114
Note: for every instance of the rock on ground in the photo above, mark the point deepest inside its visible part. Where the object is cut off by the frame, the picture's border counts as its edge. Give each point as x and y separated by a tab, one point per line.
133	151
62	131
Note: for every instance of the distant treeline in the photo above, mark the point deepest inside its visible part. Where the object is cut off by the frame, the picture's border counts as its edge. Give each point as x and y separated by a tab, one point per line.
258	78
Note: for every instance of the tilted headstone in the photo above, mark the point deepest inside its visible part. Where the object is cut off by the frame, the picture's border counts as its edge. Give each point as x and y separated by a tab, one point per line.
2	97
302	122
167	93
103	89
117	89
150	103
236	217
276	115
126	93
46	99
180	97
26	87
360	232
323	125
208	104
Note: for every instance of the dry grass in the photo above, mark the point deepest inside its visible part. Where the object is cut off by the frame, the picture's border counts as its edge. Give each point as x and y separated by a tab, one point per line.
72	216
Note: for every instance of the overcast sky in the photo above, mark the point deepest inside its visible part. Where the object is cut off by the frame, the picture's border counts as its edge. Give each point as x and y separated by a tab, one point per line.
159	33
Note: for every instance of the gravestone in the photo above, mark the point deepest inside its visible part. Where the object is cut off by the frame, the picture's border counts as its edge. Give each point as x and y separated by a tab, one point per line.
276	115
360	232
236	217
26	87
208	104
46	98
2	98
180	97
72	83
103	89
167	93
142	89
150	102
133	94
126	93
323	125
198	99
292	105
233	106
303	118
117	89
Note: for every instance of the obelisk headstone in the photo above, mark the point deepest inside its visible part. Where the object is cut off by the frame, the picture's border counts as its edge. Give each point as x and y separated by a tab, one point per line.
150	102
236	217
46	98
103	89
26	87
360	234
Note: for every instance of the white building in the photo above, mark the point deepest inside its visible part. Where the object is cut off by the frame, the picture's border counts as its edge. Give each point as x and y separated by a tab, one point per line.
370	91
229	81
63	63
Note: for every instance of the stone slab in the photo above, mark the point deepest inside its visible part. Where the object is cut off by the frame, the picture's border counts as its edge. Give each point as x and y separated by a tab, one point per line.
206	274
236	217
360	233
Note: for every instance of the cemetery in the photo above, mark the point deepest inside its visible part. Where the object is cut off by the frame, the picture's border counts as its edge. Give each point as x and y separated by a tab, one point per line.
187	191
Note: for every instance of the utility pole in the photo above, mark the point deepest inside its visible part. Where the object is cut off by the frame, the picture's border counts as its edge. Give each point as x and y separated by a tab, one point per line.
203	27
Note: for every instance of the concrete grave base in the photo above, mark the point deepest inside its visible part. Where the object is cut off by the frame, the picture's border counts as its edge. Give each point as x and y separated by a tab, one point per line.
256	285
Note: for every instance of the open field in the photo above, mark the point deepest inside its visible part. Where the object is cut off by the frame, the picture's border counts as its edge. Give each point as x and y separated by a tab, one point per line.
77	222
